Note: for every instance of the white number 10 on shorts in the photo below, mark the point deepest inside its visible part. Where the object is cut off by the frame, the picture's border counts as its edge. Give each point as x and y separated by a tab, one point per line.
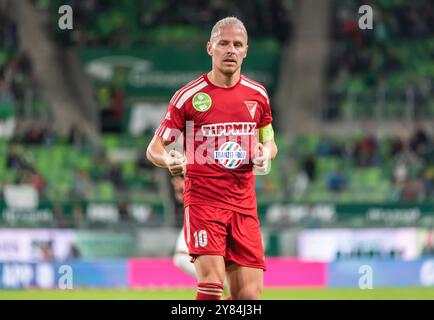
200	239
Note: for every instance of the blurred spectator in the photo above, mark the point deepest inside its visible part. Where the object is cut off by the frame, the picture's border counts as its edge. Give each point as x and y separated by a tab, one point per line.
365	151
394	193
413	190
78	216
82	186
37	181
301	184
8	33
46	250
60	218
118	103
124	214
428	246
114	174
6	94
325	147
337	181
103	97
429	180
309	167
34	135
98	169
400	173
74	253
13	159
112	116
396	147
76	137
25	64
419	143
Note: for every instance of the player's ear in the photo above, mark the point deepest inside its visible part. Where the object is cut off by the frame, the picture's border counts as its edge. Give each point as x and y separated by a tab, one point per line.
209	48
247	49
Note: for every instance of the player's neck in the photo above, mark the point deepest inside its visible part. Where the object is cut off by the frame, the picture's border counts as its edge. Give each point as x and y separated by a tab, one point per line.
222	80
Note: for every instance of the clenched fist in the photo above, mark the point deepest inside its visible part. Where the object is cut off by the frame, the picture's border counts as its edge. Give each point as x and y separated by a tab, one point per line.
260	159
175	163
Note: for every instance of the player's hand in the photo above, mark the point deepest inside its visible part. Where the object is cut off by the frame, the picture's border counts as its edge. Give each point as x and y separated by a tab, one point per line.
176	163
261	158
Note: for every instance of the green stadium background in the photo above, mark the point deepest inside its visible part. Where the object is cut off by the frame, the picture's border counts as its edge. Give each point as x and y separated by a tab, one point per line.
348	205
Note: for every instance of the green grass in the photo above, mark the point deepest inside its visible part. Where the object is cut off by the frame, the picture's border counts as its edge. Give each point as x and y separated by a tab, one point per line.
188	294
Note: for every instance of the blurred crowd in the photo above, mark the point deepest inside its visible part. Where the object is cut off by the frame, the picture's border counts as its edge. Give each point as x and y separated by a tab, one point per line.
117	24
390	61
408	163
24	167
16	70
20	99
112	102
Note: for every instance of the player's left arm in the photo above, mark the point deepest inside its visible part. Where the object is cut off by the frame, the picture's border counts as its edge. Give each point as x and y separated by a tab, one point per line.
265	149
266	138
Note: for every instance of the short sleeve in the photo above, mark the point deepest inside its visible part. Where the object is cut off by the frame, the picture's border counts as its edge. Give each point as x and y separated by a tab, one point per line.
266	117
173	124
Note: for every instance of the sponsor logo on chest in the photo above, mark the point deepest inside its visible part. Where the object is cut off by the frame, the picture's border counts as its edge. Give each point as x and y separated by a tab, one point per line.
229	128
230	155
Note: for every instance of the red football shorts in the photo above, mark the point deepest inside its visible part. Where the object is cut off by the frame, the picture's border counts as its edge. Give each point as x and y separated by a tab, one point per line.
215	231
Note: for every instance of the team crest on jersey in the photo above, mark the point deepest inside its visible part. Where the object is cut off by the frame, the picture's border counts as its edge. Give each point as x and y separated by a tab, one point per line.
230	155
201	101
251	106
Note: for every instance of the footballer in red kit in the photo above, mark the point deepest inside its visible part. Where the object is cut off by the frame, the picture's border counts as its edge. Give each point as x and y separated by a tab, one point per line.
225	120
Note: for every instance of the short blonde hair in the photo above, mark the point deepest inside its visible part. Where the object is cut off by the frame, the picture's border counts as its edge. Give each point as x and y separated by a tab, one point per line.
228	21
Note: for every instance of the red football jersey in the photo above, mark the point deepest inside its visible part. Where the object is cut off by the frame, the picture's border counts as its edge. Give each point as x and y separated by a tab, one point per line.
219	126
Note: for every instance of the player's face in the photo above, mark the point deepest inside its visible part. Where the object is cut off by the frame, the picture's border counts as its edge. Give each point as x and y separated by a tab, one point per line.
228	49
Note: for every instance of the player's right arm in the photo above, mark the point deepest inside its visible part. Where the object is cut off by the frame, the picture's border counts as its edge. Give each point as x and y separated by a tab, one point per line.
157	154
168	132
